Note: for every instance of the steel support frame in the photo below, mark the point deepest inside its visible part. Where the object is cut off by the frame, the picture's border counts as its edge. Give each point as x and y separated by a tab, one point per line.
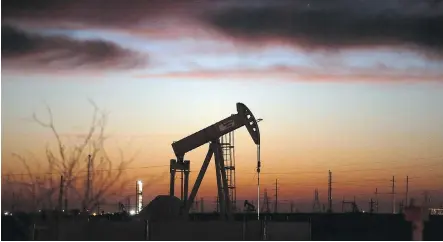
222	183
184	168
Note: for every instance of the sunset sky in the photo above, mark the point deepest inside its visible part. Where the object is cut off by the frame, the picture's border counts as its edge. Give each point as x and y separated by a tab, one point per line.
351	86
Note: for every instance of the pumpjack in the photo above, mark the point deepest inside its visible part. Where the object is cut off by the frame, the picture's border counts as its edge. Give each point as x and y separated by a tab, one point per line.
249	207
211	135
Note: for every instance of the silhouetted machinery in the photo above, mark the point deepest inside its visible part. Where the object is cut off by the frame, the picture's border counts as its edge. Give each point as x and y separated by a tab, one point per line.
211	134
248	206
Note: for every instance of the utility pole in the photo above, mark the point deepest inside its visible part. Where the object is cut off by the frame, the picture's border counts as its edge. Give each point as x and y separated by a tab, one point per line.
426	198
407	190
316	205
371	206
265	207
98	208
276	197
88	183
60	207
292	206
330	192
376	200
60	194
13	202
393	194
66	199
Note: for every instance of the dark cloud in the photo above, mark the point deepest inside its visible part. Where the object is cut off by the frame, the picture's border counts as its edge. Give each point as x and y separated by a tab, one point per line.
318	24
25	50
90	13
336	23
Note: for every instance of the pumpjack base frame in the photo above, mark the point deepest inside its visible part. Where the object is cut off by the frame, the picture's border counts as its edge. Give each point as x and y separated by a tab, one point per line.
222	184
183	168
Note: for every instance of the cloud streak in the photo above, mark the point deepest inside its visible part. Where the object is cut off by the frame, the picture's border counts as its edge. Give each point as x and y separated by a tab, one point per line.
379	73
28	51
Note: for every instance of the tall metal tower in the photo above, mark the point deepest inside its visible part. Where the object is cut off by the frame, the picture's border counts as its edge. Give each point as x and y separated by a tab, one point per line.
139	197
227	145
276	197
329	191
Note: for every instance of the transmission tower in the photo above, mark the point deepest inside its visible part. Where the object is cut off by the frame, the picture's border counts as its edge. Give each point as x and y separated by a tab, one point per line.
316	204
276	196
227	145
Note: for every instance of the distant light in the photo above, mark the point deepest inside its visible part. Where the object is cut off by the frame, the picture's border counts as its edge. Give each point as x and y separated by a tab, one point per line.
363	211
140	186
63	210
6	213
132	212
94	214
39	211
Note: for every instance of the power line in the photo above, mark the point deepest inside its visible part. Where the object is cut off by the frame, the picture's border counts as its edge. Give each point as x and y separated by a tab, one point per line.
368	182
264	173
100	170
352	170
359	164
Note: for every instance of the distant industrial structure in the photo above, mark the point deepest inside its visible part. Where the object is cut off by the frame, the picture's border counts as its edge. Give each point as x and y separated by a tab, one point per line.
139	197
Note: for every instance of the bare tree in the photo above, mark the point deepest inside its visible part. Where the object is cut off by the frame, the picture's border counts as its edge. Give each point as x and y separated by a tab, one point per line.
70	160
